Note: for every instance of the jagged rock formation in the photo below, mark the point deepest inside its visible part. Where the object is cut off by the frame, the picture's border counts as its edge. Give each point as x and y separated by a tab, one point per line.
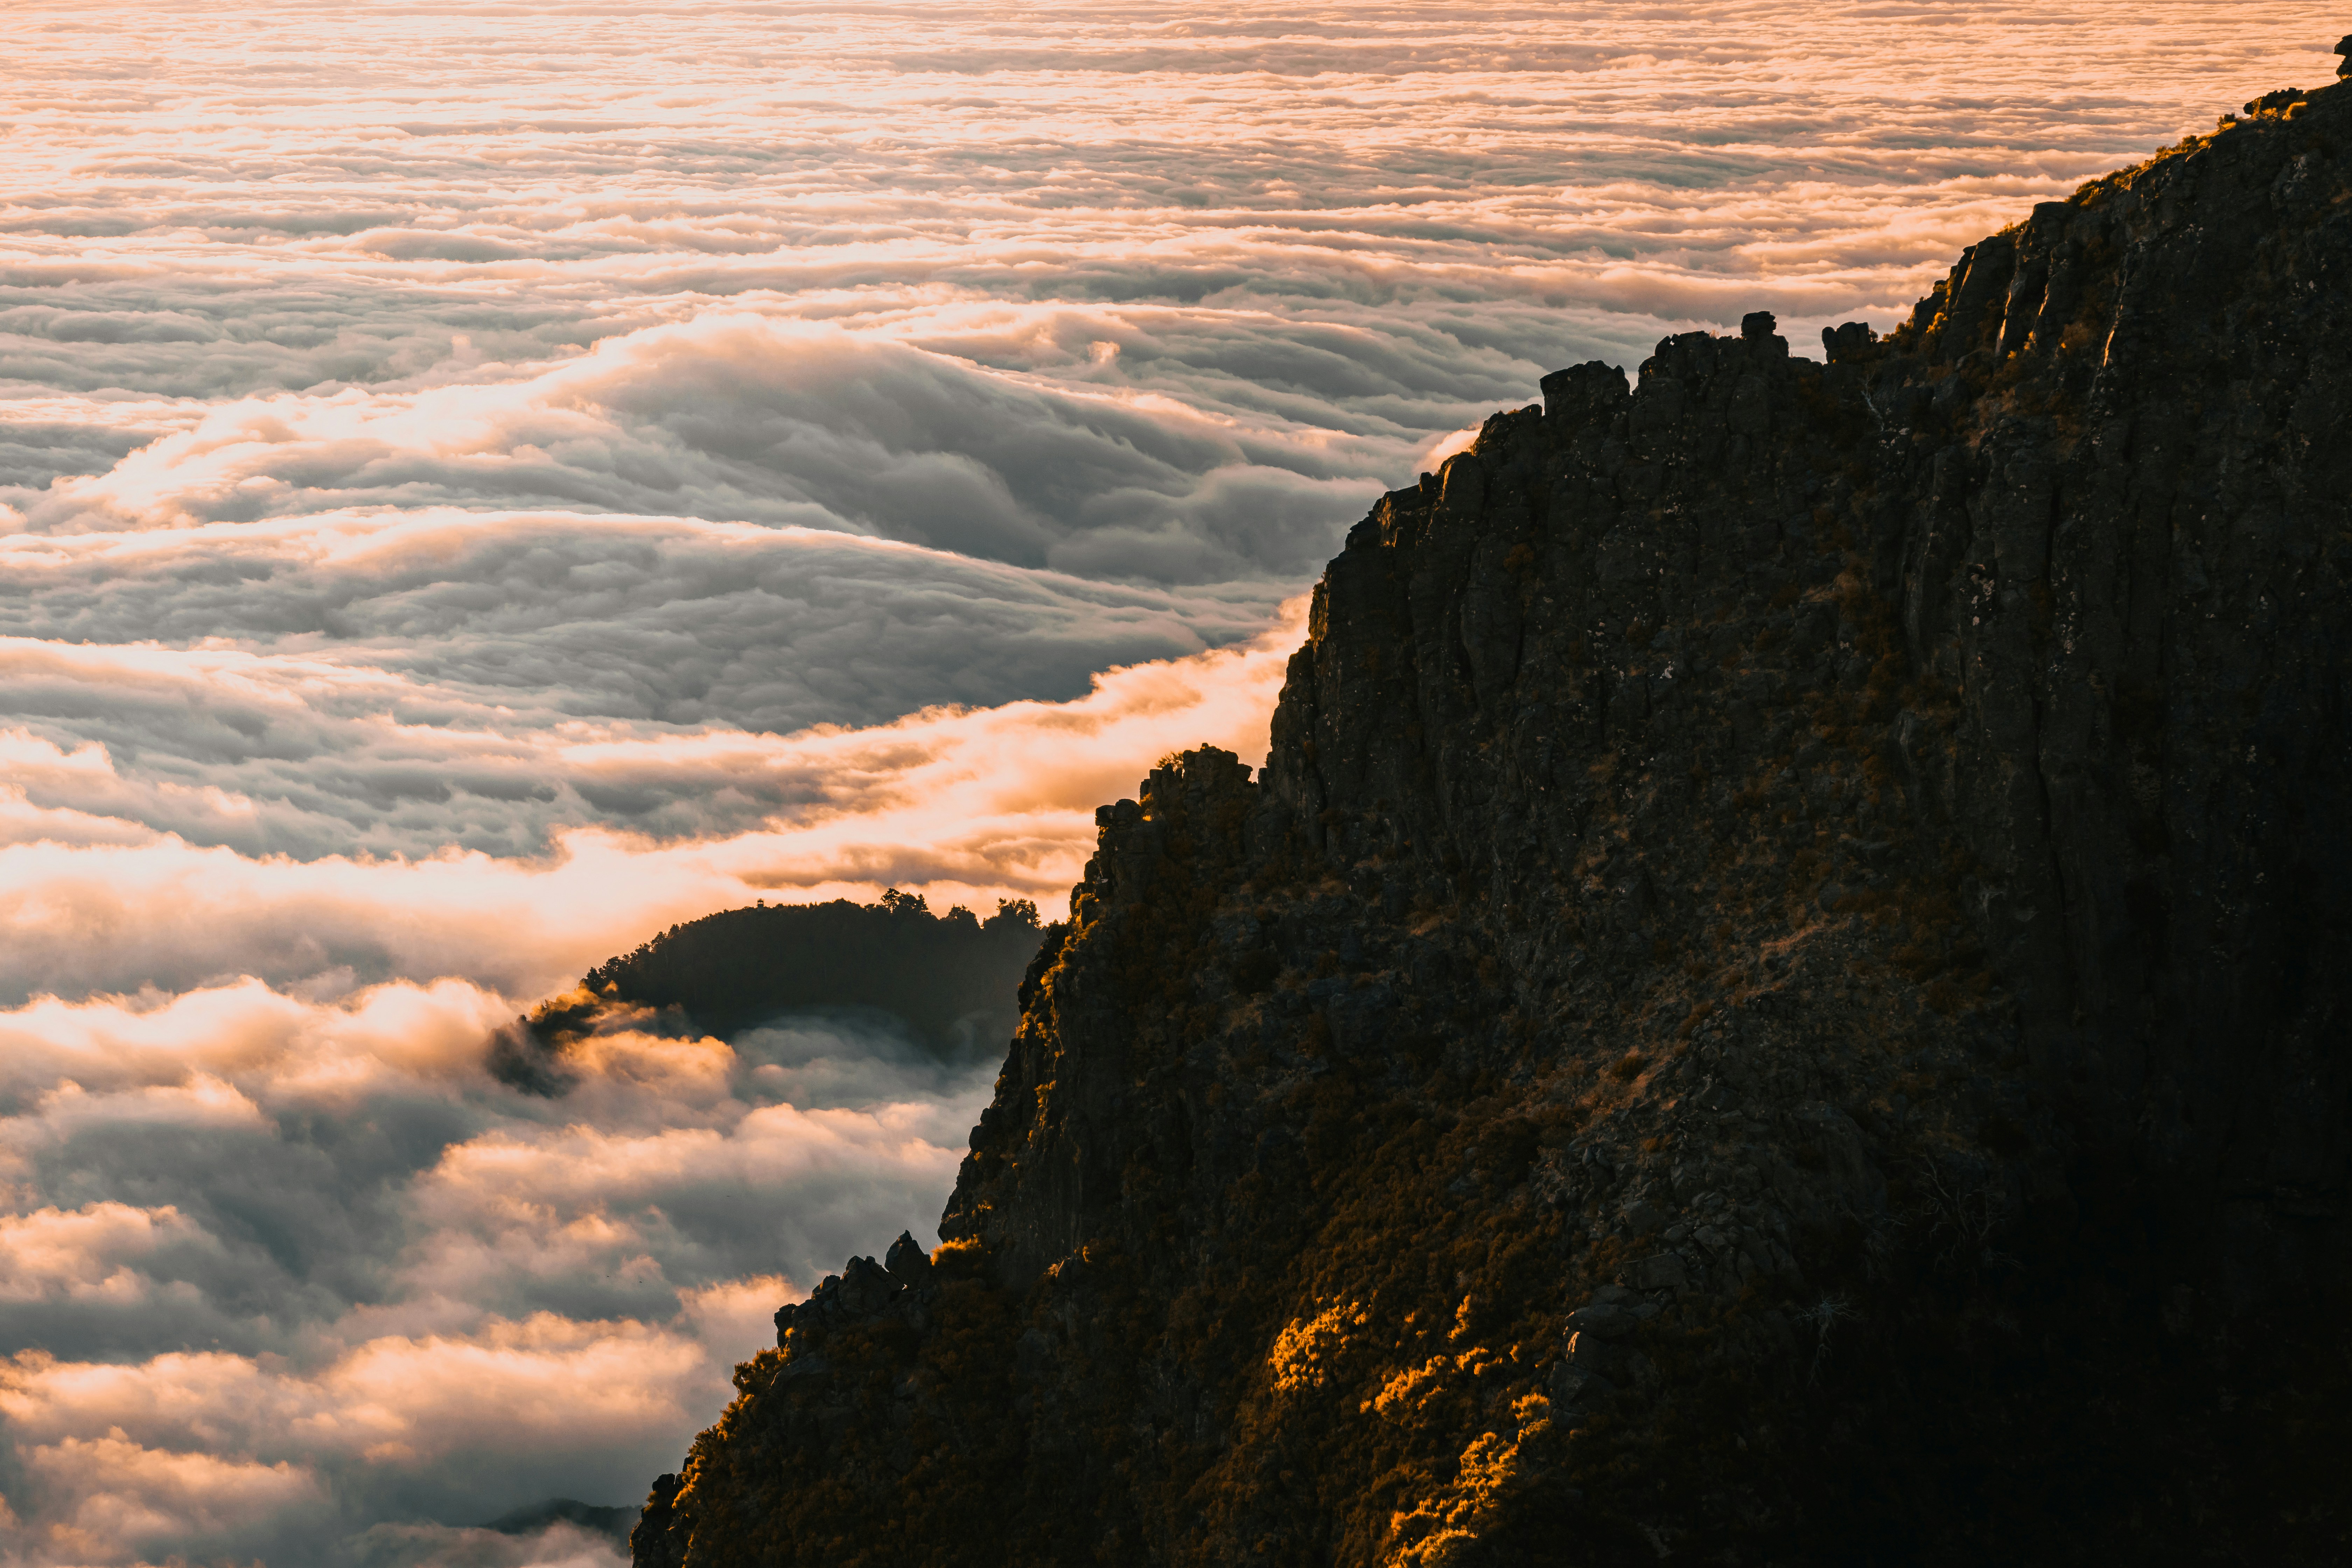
1780	998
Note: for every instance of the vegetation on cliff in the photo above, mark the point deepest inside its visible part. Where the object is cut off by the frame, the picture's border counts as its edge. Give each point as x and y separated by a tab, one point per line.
1780	997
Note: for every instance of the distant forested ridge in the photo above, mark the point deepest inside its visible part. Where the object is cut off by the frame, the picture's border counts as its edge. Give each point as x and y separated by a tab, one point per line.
951	978
952	982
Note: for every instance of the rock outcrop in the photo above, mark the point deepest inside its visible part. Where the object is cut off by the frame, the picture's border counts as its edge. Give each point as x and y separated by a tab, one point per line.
1781	996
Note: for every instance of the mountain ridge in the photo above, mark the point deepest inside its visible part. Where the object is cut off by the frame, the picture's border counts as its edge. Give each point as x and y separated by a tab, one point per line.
1779	998
946	981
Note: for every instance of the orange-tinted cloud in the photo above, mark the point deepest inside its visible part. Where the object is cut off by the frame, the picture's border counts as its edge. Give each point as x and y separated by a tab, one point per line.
970	804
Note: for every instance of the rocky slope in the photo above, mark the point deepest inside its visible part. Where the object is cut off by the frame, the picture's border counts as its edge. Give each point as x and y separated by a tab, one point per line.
1782	997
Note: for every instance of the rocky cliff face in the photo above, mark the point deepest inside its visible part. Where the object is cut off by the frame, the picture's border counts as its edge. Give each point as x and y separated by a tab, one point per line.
1781	996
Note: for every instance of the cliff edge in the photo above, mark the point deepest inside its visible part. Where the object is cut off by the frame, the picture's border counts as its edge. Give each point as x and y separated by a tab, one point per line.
1781	996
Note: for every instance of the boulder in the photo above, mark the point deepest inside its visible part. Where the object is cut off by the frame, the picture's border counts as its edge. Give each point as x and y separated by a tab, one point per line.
1665	1271
1846	341
1572	1387
906	1261
1603	1322
866	1287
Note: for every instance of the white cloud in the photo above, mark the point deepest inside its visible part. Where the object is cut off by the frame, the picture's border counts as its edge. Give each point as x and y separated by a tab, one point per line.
388	1284
88	1256
970	804
109	1499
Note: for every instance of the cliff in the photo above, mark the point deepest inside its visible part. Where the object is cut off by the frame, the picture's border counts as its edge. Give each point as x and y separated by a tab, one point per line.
1781	996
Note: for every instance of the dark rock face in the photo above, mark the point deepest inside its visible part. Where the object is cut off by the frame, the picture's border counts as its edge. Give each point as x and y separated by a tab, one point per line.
1782	997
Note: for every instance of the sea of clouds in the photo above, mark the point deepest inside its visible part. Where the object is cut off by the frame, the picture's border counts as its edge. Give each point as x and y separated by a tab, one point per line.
480	483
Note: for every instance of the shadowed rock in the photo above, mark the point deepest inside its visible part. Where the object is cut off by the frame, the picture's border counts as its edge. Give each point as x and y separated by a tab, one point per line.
1781	996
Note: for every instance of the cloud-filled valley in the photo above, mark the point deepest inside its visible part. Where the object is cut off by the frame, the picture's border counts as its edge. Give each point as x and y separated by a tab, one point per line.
379	1280
480	484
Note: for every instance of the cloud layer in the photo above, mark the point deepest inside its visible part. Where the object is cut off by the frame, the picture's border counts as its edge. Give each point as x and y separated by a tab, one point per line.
478	484
971	805
388	1282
